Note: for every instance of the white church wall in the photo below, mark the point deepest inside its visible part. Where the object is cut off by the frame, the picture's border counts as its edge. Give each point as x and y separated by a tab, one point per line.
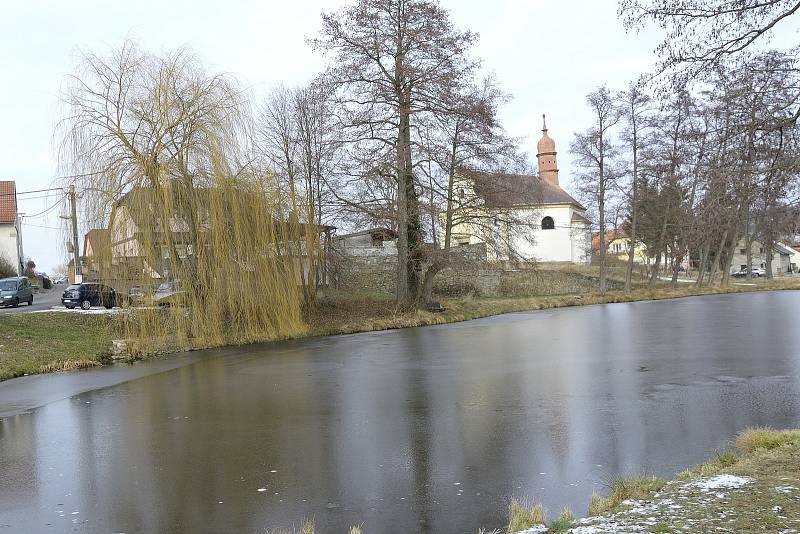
553	245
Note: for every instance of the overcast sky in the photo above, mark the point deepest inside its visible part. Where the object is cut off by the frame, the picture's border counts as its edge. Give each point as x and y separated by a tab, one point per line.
547	53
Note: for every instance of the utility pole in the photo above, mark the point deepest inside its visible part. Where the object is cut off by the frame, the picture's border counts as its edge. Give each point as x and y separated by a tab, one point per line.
20	255
75	251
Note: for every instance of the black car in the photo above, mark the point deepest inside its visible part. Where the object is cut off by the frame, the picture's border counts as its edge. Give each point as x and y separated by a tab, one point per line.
89	294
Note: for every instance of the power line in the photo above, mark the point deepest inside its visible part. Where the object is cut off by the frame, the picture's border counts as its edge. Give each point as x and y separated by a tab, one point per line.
41	226
47	210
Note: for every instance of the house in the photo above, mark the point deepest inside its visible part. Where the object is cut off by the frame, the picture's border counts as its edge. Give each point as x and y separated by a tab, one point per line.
96	253
618	245
139	245
523	217
10	235
784	258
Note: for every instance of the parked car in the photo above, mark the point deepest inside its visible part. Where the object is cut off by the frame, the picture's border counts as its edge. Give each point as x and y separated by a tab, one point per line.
169	294
15	290
89	294
61	280
757	272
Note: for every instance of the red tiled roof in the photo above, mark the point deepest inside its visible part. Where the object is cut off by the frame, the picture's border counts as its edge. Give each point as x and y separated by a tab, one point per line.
8	201
611	235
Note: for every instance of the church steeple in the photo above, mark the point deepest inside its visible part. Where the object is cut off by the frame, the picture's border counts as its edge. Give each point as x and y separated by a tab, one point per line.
546	148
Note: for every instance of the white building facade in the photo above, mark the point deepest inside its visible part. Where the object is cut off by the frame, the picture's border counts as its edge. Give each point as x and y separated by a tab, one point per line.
10	245
534	218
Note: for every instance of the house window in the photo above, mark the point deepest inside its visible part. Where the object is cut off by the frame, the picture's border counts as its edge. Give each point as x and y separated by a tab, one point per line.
461	192
743	251
761	250
548	223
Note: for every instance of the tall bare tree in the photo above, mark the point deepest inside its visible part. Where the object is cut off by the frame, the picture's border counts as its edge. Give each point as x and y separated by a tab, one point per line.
595	151
635	107
391	63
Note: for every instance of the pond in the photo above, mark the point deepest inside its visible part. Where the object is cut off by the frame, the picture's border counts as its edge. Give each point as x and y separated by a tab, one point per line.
420	430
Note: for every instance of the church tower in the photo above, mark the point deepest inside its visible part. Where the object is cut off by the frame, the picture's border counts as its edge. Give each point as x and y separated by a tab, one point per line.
548	168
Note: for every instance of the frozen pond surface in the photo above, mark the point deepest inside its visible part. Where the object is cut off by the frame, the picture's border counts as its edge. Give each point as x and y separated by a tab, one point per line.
422	430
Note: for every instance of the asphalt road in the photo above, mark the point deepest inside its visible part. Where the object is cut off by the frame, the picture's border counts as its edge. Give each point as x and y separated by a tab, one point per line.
41	301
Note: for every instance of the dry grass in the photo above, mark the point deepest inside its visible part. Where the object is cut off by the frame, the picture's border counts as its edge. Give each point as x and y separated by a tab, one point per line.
752	439
768	503
621	488
523	515
69	365
308	527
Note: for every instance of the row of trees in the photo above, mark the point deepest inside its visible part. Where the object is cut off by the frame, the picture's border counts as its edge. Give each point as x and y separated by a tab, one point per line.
381	137
706	152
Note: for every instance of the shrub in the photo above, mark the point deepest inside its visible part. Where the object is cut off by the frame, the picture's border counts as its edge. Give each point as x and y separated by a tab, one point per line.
563	522
622	488
6	268
522	515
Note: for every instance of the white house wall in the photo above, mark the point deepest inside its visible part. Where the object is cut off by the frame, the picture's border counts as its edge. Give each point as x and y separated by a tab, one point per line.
8	243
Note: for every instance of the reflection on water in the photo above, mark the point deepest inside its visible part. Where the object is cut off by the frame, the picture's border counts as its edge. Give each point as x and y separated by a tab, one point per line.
423	430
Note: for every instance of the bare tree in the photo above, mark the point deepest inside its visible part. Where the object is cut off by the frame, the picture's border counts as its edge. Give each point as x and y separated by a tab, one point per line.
466	139
392	63
707	32
634	106
595	150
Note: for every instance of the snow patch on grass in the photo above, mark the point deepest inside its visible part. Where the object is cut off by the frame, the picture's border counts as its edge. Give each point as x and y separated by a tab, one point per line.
722	482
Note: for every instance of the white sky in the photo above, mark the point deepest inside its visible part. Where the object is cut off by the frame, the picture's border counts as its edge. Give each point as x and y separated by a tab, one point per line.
547	53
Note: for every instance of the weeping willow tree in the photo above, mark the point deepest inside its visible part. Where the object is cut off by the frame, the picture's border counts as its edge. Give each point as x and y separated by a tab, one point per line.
161	153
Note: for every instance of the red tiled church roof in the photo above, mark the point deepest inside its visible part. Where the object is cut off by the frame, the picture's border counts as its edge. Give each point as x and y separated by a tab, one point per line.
8	201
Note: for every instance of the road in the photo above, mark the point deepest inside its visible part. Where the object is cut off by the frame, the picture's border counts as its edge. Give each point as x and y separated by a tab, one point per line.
41	301
419	430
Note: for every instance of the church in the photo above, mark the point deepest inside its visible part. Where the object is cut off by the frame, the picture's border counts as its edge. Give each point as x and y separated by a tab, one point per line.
523	217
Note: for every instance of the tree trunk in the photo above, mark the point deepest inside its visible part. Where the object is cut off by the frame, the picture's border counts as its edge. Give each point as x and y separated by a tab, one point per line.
402	293
718	257
726	274
703	264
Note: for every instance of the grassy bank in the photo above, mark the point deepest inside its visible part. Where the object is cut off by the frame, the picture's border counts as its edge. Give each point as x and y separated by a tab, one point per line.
753	487
338	313
46	342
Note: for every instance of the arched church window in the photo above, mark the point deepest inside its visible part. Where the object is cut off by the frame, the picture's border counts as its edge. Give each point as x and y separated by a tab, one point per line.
548	223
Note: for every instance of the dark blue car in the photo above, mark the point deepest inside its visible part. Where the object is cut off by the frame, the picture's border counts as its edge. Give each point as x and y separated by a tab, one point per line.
89	294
